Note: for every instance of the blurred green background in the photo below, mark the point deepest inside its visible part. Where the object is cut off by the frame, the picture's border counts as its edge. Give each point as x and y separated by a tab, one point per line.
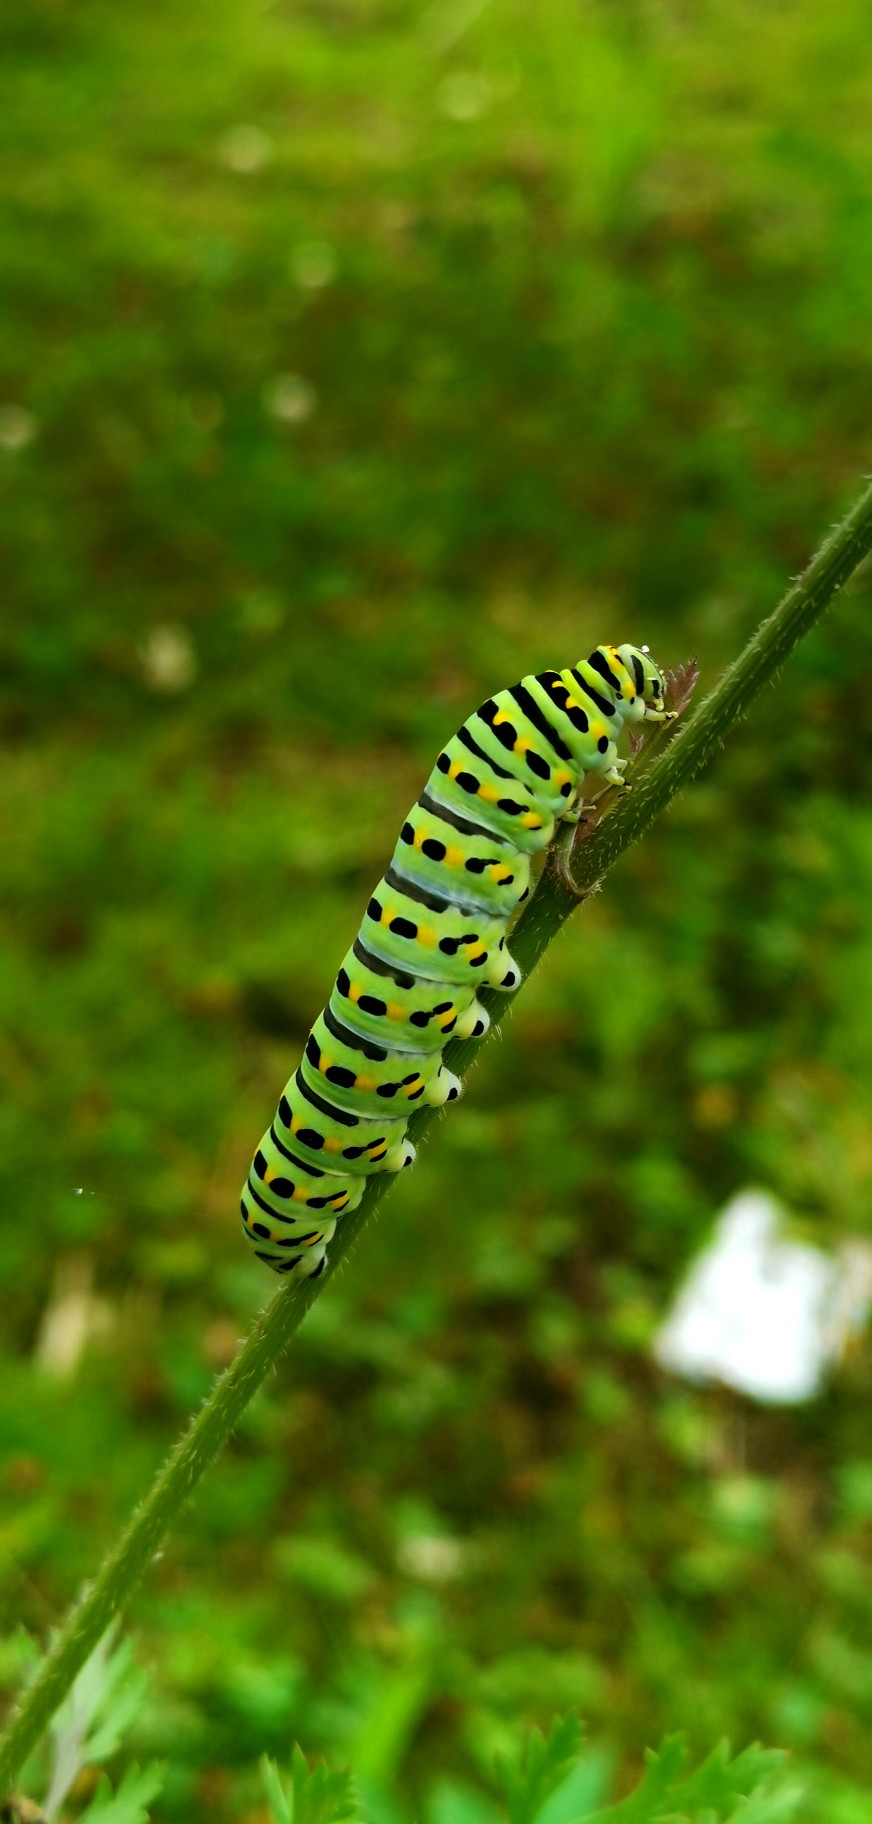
357	357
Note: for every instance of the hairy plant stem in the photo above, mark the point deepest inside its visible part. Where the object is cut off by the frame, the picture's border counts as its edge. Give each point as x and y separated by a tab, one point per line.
550	906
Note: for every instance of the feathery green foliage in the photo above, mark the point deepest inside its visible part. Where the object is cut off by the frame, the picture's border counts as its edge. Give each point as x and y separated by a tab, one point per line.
540	1770
539	1788
129	1804
319	1796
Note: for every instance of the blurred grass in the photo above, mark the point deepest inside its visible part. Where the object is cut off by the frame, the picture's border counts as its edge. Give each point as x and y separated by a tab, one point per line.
357	358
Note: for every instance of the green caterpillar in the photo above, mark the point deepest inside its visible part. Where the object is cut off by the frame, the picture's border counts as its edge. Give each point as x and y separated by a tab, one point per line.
434	930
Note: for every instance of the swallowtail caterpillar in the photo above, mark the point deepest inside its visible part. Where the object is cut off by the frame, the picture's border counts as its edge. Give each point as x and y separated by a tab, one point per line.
434	930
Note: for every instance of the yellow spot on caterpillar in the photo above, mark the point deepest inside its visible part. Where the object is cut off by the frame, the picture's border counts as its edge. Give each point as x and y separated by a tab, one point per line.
299	1195
531	821
562	777
522	745
332	1146
312	1241
454	857
454	769
270	1174
419	839
387	914
446	1018
501	717
295	1124
396	1011
498	873
354	992
378	1153
473	955
410	1089
489	793
598	729
324	1064
623	680
426	935
364	1083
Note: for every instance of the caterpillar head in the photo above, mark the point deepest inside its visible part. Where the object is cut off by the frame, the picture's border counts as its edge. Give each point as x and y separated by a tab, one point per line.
647	677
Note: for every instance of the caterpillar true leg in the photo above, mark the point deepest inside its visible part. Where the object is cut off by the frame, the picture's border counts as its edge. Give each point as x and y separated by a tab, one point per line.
433	931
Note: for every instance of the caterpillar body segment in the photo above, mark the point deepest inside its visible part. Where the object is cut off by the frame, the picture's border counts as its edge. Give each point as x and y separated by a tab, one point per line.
456	943
487	875
395	1008
320	1135
433	932
492	804
367	1079
289	1221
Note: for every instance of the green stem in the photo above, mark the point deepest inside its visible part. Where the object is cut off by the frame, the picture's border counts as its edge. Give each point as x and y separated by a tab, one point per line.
549	908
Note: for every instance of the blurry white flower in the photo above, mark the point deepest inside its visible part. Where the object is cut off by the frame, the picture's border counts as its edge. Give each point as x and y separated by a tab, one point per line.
314	265
432	1557
765	1314
464	96
72	1318
18	427
290	397
245	149
168	659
